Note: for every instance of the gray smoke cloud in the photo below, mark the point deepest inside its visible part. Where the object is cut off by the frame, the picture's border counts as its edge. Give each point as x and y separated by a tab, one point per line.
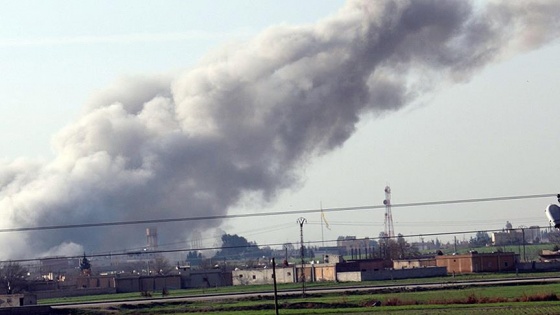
249	117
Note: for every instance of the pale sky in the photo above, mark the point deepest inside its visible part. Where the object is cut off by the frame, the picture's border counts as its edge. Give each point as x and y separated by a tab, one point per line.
495	134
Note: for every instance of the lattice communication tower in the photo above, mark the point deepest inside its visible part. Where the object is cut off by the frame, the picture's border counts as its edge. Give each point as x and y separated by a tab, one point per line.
389	229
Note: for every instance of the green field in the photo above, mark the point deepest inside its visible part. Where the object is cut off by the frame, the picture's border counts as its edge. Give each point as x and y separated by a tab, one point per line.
514	299
533	299
291	286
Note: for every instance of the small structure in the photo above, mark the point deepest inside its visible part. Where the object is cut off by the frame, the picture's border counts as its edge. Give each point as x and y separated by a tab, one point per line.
263	276
12	300
478	262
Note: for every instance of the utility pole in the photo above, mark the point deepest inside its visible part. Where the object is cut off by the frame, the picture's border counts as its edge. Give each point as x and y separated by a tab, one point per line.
455	243
322	234
275	288
524	255
301	221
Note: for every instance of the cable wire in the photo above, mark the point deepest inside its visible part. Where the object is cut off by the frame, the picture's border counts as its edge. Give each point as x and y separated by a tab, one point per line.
143	252
277	213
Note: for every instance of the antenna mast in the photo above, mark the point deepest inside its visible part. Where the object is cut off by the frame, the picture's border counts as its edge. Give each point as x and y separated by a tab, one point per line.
389	229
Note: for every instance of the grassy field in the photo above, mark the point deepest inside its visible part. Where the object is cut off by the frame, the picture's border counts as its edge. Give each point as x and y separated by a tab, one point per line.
533	299
517	299
291	286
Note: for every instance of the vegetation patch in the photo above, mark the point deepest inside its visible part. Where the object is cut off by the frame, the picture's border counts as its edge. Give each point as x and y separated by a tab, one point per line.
392	300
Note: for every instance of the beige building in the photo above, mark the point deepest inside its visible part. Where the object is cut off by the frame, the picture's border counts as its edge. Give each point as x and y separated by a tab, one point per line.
475	262
507	238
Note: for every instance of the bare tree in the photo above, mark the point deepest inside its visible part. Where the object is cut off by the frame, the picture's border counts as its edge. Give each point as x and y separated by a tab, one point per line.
162	266
13	277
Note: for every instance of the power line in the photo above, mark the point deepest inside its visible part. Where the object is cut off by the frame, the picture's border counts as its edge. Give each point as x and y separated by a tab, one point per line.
162	251
296	212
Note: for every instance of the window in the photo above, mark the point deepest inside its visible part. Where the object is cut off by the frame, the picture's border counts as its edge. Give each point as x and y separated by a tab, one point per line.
254	277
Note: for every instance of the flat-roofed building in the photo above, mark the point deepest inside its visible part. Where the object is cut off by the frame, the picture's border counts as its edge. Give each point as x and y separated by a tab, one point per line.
478	262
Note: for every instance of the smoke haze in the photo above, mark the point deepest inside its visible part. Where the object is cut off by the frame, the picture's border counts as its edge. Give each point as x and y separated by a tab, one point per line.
249	117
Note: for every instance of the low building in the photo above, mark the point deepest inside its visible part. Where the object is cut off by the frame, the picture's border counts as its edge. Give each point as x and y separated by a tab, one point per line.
263	276
478	262
12	300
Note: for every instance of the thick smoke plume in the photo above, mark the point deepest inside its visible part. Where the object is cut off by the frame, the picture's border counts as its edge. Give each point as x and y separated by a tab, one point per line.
247	118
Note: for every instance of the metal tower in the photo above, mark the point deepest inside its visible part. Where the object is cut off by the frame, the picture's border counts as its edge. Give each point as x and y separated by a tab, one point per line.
151	235
389	230
196	240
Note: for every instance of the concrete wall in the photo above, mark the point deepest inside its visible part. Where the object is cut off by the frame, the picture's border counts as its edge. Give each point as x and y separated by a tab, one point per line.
414	263
304	274
33	286
539	266
148	283
128	284
356	276
324	272
362	265
158	283
206	279
349	276
50	294
26	310
95	282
